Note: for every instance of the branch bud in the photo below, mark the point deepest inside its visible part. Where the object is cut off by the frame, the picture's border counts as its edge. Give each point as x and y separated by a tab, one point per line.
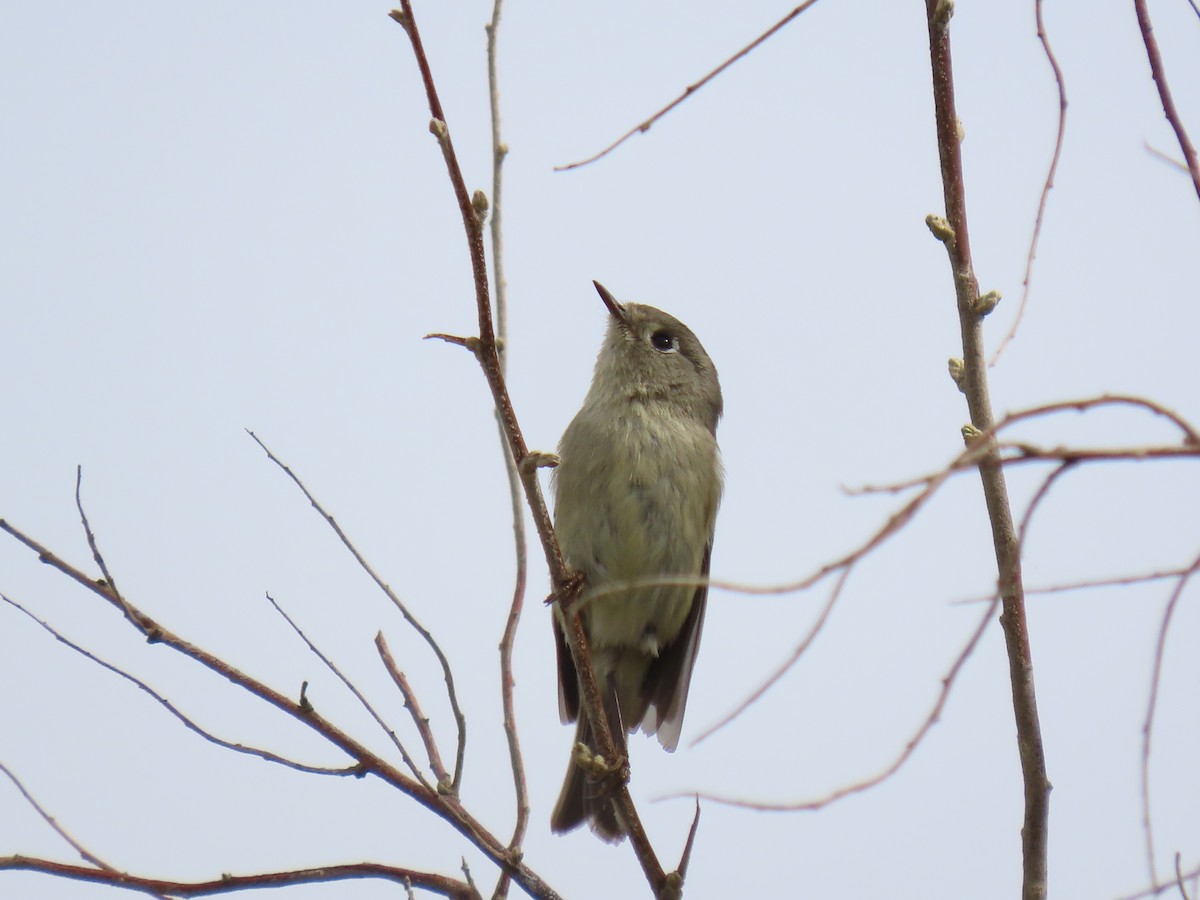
985	303
957	372
940	227
479	203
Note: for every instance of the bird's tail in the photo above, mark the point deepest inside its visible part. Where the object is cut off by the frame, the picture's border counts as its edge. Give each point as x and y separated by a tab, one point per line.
583	797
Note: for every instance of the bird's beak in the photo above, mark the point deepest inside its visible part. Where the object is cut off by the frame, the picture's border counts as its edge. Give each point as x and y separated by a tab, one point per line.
615	308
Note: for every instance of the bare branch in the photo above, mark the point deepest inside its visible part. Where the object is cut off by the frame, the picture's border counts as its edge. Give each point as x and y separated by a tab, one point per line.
787	664
83	851
1179	875
97	556
350	686
354	770
691	89
895	765
1157	889
1164	92
1152	705
1060	83
414	709
227	884
1086	584
973	382
445	806
425	634
507	682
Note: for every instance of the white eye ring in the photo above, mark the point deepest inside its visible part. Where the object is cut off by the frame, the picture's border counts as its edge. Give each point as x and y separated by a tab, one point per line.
663	341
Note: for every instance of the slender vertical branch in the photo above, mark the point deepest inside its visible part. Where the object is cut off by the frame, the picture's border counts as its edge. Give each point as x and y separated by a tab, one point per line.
507	682
1034	833
1164	92
1151	707
1061	83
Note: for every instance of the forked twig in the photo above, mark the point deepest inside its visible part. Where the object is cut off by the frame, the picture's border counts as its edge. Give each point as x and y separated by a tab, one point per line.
412	620
353	689
420	720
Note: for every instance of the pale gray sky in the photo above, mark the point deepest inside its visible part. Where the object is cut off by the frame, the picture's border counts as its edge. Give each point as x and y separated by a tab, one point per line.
233	216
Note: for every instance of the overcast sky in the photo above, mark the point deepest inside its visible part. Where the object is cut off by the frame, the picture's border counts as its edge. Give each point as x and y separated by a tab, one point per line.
233	216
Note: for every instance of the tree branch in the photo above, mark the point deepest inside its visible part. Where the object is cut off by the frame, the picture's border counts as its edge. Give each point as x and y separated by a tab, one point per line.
1035	832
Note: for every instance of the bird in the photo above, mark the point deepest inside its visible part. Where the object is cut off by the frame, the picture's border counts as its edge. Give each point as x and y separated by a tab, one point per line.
637	487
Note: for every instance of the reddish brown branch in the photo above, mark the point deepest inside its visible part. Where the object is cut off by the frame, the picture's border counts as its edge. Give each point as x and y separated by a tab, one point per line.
227	884
1164	92
1035	830
420	720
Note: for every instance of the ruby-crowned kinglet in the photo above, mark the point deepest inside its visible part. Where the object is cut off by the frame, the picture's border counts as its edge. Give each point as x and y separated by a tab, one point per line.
636	494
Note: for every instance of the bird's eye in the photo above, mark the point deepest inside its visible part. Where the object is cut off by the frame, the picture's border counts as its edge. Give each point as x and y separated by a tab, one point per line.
664	341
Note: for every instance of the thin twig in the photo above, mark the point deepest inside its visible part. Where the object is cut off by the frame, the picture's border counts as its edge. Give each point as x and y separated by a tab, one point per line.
1164	92
354	770
97	556
1152	705
685	858
1087	584
1060	83
350	686
1179	875
894	766
787	664
420	720
83	851
520	553
1157	889
1164	157
691	89
412	620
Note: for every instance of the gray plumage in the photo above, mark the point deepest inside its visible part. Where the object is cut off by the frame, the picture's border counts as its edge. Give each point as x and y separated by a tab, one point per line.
637	489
